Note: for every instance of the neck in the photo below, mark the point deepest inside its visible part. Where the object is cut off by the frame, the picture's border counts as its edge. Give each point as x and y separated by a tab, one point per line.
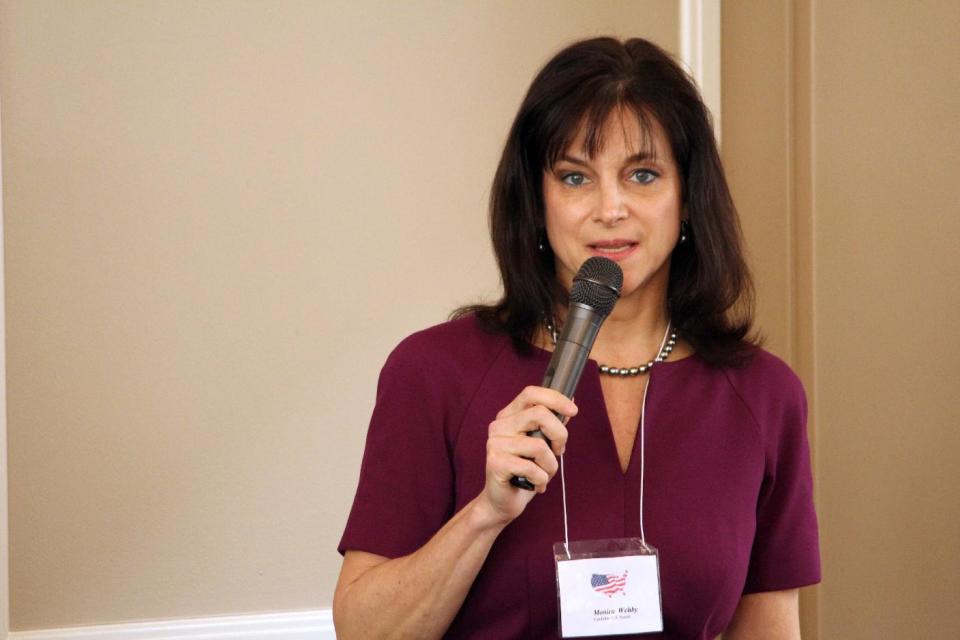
633	332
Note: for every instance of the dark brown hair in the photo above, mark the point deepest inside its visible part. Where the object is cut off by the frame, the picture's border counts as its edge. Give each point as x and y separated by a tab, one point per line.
710	292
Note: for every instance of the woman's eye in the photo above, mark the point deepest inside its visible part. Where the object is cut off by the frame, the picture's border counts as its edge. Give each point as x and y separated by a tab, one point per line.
573	179
644	176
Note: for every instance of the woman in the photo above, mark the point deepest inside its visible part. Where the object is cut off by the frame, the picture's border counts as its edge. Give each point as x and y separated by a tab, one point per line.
611	154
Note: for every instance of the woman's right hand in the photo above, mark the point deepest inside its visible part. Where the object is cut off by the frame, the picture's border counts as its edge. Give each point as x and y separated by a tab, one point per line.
511	452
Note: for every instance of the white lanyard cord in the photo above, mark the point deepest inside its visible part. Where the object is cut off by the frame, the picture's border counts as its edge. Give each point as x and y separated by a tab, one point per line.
566	531
643	457
563	479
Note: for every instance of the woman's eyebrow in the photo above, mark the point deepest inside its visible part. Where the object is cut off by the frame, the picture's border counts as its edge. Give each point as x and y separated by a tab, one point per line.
643	156
573	160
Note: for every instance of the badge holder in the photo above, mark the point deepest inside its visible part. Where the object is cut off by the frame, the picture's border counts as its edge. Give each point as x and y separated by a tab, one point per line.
608	587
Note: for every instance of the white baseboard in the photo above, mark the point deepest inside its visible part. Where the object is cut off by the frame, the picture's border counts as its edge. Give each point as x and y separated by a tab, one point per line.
294	625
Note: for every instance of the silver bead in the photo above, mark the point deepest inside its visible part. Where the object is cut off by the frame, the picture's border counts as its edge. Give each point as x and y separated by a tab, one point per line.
634	371
614	371
604	369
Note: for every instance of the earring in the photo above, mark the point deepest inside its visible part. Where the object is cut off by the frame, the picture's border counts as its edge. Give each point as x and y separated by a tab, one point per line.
685	231
542	241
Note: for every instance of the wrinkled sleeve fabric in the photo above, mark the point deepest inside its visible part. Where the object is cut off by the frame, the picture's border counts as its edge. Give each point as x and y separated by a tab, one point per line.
406	487
786	551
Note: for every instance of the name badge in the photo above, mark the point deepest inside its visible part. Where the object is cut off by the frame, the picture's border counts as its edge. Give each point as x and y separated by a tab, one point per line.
608	587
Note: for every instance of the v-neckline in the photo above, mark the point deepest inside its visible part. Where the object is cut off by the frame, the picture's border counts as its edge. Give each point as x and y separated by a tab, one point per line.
591	377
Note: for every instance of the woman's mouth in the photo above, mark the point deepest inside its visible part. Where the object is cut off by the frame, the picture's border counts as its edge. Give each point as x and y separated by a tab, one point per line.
613	249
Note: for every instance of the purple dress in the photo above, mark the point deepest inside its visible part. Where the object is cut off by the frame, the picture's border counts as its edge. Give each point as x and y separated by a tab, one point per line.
728	490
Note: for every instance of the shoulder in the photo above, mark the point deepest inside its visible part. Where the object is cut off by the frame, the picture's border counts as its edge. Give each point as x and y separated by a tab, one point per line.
453	352
455	343
772	392
432	375
765	373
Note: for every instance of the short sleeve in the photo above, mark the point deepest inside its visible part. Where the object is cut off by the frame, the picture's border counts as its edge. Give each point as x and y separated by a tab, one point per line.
405	492
786	551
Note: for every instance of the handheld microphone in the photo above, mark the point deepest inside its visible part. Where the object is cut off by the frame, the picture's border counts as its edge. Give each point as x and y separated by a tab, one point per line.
595	290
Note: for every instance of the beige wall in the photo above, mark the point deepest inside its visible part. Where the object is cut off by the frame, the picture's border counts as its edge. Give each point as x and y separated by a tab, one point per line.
4	520
842	116
887	202
220	217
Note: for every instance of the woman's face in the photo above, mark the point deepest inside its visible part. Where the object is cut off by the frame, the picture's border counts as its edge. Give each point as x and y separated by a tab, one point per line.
620	204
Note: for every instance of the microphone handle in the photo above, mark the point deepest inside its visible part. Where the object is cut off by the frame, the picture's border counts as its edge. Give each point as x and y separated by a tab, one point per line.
566	365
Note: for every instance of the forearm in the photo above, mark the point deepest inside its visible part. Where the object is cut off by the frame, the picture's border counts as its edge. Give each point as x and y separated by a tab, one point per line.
770	615
417	596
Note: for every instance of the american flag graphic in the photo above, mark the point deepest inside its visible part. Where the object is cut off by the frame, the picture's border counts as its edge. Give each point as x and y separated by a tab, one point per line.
609	583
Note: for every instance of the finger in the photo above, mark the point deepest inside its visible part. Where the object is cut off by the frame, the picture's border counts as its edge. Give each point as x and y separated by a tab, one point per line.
505	466
533	449
532	395
566	418
552	428
530	419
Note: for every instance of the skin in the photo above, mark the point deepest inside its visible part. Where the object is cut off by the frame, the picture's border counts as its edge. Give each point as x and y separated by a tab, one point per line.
625	206
774	614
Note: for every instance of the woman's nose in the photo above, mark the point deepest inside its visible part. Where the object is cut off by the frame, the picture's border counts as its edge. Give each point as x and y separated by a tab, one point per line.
612	207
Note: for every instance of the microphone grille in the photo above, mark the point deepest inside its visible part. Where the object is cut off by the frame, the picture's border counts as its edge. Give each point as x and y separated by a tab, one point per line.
597	284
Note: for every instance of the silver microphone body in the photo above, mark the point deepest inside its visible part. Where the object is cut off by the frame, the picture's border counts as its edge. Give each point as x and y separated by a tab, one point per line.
573	348
595	290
